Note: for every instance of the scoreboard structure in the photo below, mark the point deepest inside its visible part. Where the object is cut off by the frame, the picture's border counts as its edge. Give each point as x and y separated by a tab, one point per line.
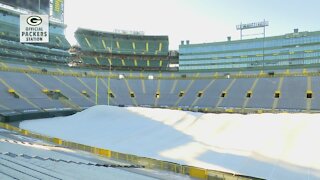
53	8
58	9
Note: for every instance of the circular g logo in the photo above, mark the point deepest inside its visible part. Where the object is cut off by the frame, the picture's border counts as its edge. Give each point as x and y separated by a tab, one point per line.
34	20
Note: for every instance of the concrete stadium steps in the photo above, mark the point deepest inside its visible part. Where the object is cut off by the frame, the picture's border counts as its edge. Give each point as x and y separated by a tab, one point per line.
10	101
211	98
102	89
180	87
29	158
80	85
103	93
4	175
191	92
69	90
145	91
263	95
293	93
167	96
33	92
27	167
121	92
20	167
236	95
34	149
140	92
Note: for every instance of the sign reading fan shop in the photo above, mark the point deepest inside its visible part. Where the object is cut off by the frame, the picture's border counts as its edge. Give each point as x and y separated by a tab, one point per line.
34	28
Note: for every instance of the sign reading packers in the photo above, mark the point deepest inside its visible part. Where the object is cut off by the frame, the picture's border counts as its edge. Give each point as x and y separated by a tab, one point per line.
34	28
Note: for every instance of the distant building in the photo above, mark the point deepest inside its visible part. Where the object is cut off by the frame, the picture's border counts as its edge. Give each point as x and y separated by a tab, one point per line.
293	50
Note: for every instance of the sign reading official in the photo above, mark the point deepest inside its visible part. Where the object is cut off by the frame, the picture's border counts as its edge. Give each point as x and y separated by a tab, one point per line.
34	28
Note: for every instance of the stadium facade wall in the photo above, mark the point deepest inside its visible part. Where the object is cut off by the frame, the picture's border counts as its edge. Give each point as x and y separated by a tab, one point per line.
292	50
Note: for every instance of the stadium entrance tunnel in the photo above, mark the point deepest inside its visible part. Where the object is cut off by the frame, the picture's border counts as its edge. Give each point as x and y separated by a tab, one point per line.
309	94
223	94
277	94
249	94
181	94
110	94
157	96
13	93
84	92
54	94
200	93
132	95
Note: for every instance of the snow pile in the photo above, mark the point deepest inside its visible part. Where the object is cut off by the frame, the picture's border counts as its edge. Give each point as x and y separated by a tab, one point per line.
272	146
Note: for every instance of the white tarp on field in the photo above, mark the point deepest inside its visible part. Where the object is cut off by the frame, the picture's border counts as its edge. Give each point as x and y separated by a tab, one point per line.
272	146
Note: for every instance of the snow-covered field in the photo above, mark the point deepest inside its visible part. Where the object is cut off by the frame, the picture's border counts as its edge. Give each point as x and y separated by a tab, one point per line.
272	146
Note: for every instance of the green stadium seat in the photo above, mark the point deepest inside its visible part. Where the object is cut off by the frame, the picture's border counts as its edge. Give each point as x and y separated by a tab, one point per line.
127	51
154	63
32	51
89	60
116	62
140	47
129	62
143	63
104	61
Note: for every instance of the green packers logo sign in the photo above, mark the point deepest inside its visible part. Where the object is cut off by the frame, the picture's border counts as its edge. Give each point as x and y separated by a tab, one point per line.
34	28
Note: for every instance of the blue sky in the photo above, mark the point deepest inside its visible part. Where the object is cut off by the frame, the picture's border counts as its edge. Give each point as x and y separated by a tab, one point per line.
199	21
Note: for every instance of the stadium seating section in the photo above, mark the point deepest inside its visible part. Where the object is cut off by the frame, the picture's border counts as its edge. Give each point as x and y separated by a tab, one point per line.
34	77
12	50
78	90
10	30
121	43
137	62
31	52
123	51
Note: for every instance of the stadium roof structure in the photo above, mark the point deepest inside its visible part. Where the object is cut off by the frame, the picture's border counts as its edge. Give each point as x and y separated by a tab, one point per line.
120	35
